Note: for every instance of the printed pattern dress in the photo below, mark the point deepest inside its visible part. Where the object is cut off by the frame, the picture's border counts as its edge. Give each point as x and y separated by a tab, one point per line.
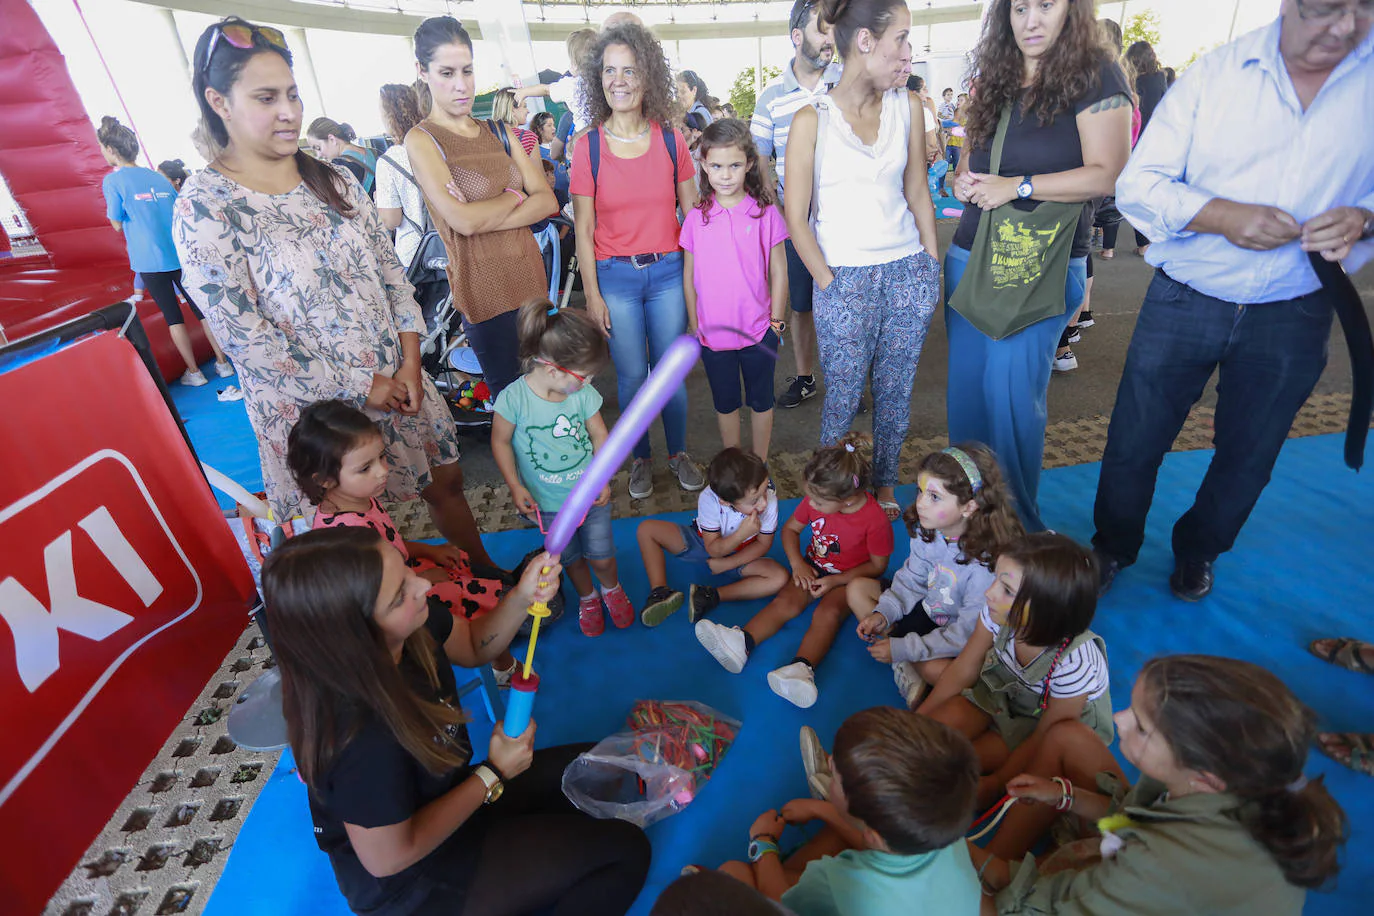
462	595
309	305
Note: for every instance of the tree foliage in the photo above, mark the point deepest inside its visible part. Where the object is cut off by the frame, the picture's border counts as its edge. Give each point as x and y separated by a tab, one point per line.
1143	26
742	94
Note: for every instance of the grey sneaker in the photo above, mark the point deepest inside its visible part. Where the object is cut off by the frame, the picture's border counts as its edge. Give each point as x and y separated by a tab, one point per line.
641	479
689	475
816	762
911	684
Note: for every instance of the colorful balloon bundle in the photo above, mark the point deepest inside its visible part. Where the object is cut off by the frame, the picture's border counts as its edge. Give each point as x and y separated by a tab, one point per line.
688	736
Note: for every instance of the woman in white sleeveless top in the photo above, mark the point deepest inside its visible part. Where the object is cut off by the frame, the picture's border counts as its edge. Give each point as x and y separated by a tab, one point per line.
859	212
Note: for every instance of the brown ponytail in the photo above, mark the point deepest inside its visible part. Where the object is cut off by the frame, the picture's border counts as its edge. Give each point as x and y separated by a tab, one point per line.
325	182
839	471
566	337
1200	698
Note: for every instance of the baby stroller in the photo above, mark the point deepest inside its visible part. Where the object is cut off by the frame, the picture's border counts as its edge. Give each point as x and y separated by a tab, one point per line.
442	348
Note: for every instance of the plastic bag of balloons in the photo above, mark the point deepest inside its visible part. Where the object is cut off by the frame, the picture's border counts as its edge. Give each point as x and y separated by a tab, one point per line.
656	767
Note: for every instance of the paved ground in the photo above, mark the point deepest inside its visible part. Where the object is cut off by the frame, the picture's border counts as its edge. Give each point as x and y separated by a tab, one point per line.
1089	392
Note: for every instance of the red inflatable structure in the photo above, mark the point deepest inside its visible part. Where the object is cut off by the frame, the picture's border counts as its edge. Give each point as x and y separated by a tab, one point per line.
51	160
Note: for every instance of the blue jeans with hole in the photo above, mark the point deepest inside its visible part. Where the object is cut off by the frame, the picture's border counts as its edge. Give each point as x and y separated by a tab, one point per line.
648	312
1269	358
997	388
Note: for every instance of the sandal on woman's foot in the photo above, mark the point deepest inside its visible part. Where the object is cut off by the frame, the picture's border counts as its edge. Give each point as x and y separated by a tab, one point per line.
1350	749
1343	651
890	508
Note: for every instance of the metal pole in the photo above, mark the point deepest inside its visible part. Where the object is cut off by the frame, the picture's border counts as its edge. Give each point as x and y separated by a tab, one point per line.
758	71
303	60
1235	14
170	18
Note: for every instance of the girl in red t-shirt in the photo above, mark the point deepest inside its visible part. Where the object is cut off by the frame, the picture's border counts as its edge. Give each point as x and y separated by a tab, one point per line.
850	537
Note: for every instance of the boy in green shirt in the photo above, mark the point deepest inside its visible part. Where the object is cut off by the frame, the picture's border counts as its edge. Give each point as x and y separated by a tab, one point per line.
901	800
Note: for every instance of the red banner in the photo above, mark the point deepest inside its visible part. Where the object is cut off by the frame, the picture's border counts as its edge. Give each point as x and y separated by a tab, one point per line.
121	590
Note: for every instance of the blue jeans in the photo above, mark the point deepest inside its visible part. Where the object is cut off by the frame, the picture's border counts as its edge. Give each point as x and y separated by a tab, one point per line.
497	347
1269	356
591	541
997	388
648	312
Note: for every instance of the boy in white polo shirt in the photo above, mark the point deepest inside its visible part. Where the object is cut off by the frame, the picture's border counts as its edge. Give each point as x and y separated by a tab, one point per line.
737	517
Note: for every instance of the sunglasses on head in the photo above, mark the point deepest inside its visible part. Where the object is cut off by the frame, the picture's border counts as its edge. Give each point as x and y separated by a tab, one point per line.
242	36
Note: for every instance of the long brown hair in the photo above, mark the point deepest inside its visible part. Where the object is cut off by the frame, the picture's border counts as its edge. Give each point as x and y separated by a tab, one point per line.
1196	701
320	590
654	74
1069	69
994	525
323	180
847	17
400	110
730	133
1058	593
566	337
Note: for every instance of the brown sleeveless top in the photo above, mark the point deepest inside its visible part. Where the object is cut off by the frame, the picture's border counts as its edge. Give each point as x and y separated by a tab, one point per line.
490	273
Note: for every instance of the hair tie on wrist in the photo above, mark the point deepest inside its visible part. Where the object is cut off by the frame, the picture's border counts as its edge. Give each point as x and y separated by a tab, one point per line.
849	447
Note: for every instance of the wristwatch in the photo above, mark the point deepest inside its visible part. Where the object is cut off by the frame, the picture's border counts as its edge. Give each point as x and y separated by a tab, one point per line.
761	846
1025	189
778	325
1368	231
492	780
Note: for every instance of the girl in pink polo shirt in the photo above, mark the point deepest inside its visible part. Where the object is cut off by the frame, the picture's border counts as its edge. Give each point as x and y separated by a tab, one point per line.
735	279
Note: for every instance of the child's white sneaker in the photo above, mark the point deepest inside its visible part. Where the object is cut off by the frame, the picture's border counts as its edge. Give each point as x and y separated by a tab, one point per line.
795	683
909	683
193	378
726	645
816	762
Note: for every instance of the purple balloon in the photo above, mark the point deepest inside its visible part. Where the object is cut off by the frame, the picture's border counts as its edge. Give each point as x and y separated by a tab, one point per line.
662	383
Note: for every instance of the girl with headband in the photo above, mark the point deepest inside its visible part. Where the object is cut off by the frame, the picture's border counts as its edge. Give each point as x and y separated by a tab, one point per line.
921	619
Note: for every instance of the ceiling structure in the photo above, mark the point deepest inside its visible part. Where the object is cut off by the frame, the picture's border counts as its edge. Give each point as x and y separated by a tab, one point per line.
548	20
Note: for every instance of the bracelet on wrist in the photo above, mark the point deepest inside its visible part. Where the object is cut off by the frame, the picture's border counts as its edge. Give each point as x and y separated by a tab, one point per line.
1065	802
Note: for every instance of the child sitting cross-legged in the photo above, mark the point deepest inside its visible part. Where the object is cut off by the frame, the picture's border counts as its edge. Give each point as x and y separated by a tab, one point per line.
901	800
850	537
962	517
338	457
737	516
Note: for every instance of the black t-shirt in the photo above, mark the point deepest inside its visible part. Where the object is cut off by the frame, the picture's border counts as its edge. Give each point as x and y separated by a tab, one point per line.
1150	88
1032	148
374	782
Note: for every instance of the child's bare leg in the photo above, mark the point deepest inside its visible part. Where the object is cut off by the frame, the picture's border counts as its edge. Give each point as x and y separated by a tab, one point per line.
992	754
655	537
962	716
825	623
761	426
931	669
606	572
729	428
1071	750
761	578
581	575
742	872
862	594
789	602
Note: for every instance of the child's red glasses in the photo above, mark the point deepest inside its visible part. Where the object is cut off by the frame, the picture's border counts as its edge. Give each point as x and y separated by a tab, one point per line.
584	379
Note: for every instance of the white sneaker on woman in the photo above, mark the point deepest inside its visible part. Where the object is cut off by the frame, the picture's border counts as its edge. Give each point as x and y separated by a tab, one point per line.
193	378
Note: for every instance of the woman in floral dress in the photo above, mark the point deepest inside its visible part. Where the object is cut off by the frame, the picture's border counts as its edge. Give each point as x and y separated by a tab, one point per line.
302	285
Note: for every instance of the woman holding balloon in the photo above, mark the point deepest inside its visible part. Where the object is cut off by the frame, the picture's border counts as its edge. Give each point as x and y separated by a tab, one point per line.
372	711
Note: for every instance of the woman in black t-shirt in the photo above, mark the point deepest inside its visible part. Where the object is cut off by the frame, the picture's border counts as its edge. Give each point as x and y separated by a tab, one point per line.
410	825
1068	139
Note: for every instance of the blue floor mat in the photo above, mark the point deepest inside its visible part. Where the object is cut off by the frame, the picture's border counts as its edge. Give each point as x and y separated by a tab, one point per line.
220	430
1298	573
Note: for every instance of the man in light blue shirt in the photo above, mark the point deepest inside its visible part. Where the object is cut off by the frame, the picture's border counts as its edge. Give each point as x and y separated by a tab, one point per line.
809	75
1262	152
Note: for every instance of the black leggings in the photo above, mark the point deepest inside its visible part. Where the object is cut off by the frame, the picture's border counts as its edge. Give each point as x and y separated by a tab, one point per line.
540	854
163	287
496	345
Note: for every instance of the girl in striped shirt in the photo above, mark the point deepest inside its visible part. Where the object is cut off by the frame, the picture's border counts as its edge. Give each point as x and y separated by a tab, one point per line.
1031	661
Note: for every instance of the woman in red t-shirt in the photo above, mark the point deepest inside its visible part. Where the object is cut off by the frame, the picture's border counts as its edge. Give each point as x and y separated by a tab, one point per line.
627	226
